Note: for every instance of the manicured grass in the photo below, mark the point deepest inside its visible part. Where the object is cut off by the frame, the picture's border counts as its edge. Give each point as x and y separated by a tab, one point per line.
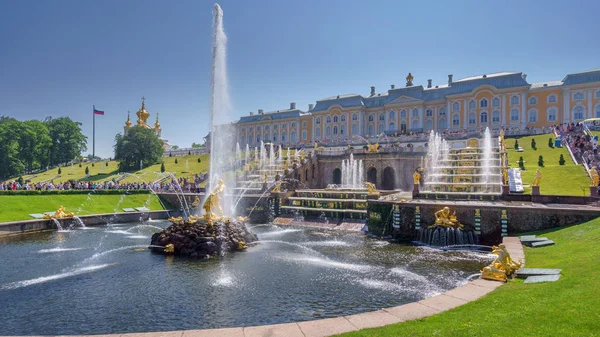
18	207
568	307
73	172
186	166
568	179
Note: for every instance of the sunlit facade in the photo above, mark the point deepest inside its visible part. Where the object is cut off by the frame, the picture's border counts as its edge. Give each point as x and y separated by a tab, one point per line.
491	100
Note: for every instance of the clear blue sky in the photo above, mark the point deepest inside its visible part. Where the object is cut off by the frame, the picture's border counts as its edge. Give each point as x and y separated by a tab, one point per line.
58	58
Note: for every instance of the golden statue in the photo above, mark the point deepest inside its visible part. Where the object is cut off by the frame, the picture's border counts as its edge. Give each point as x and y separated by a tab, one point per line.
286	165
242	218
192	220
316	146
445	219
277	188
178	220
302	154
505	175
537	178
595	176
501	140
502	267
416	177
266	178
371	188
59	214
196	202
409	80
170	248
213	202
373	148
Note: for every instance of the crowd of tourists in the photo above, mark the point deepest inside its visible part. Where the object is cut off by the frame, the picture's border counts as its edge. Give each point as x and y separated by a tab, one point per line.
167	185
583	145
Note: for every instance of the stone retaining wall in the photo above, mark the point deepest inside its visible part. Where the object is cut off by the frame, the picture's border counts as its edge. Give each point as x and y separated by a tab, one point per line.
37	225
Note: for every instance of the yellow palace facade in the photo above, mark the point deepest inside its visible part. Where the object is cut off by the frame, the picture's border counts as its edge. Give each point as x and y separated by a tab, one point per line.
491	100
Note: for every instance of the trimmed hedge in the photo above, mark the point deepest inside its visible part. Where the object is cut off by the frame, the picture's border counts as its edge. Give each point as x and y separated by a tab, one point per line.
55	192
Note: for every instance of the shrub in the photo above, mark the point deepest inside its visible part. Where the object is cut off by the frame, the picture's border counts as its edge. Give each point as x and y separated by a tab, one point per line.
541	161
162	167
189	153
79	164
170	154
176	161
93	164
106	164
521	163
561	160
87	170
517	145
59	171
533	145
550	143
199	160
20	180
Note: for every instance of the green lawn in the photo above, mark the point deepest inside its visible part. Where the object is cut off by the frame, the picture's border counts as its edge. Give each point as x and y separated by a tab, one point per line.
18	207
186	166
73	172
568	307
568	179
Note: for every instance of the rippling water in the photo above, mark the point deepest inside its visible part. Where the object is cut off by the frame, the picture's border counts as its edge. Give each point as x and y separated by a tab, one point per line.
106	281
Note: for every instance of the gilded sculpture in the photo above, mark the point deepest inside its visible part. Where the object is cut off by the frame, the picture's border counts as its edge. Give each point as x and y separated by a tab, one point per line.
213	202
416	177
374	148
502	267
505	175
595	177
277	188
537	178
371	188
409	80
445	219
59	214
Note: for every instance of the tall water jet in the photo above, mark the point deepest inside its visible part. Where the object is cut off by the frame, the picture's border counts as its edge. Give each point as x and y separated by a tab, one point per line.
487	157
221	139
352	173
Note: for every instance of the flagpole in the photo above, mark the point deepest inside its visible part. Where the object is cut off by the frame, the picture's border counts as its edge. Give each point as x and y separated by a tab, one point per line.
94	133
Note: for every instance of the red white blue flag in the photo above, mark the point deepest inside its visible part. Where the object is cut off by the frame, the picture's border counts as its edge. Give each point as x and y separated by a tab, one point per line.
98	112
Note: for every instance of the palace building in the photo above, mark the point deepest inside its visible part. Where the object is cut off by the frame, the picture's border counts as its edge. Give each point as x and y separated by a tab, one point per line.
495	100
143	116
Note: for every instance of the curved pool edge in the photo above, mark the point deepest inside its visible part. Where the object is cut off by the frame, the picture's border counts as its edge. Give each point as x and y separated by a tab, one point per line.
453	298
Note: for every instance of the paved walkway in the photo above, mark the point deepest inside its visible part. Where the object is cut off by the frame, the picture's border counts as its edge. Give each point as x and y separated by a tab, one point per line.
331	326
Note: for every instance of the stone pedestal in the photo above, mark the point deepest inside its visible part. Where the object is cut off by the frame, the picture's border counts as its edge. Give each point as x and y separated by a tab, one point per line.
415	190
535	190
505	190
594	191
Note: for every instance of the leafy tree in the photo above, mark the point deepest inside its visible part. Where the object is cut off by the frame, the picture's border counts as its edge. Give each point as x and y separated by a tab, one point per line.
561	160
197	145
106	164
87	170
34	142
59	171
516	144
174	147
521	163
140	144
10	159
176	161
67	140
541	161
550	143
20	180
533	145
162	167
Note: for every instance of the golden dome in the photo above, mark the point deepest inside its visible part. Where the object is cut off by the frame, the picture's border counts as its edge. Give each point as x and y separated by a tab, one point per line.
143	115
128	123
157	124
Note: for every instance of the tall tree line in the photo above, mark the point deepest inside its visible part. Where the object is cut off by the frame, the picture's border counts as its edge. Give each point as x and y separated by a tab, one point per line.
33	144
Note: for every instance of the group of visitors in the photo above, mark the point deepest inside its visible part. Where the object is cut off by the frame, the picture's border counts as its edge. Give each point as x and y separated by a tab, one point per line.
168	185
583	146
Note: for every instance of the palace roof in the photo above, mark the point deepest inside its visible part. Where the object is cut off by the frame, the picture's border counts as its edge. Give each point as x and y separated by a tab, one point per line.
272	115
